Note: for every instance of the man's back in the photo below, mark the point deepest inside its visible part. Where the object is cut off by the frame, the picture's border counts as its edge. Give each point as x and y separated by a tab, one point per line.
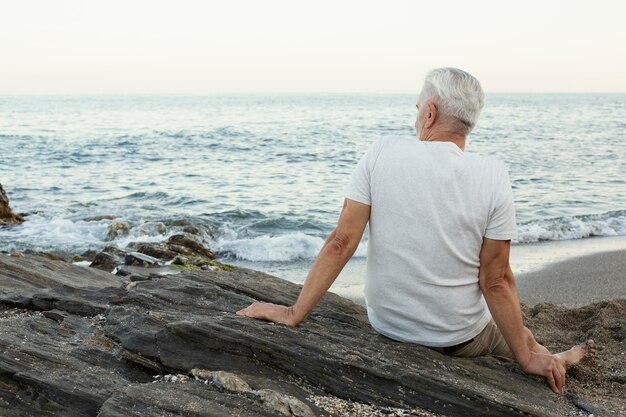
431	206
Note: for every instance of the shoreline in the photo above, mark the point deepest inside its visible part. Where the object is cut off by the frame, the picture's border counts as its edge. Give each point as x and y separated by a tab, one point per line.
531	263
571	273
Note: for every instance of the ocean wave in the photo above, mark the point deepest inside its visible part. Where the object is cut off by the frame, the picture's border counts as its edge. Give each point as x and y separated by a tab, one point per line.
143	195
54	233
246	235
284	248
612	223
158	196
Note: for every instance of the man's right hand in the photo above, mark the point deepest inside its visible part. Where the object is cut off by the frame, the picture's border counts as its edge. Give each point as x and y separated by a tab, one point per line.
551	367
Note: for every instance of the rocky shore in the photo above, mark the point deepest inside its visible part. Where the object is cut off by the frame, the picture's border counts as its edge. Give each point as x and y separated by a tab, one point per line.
161	341
151	330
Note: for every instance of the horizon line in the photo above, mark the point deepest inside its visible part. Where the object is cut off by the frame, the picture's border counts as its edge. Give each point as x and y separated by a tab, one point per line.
218	93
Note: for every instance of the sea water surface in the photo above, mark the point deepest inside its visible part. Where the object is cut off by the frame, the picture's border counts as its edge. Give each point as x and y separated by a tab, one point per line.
264	175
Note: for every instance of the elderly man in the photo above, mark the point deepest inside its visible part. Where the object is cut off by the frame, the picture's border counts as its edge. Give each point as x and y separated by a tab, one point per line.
441	223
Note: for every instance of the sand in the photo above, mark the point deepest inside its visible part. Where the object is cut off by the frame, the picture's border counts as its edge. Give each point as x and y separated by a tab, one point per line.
558	309
577	281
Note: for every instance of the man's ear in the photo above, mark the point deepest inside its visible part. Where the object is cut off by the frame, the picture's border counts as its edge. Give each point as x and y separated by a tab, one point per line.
432	114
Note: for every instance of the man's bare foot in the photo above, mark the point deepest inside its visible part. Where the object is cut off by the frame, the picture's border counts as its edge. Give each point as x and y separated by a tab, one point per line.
576	354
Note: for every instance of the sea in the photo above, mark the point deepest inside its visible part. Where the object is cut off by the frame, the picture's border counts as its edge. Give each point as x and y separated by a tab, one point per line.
263	175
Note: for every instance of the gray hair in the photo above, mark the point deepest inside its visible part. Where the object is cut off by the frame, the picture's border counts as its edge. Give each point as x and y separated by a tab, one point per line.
457	94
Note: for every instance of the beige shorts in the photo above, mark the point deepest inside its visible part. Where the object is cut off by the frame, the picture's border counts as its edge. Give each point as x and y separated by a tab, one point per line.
488	342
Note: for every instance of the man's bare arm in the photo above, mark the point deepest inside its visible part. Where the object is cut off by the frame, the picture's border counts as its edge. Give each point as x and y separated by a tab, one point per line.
500	291
336	252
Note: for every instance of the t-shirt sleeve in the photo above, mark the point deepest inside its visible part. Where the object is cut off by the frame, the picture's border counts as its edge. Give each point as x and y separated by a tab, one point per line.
502	225
359	186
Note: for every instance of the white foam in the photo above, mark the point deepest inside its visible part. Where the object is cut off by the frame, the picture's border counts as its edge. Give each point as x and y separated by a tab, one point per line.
46	233
283	248
609	224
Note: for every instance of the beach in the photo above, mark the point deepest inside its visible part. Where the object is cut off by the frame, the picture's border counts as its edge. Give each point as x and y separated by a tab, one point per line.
577	281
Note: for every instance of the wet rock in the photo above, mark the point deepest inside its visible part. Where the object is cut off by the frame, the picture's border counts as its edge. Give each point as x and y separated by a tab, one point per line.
88	255
188	246
106	261
155	250
176	245
117	229
114	250
192	230
139	259
152	228
7	217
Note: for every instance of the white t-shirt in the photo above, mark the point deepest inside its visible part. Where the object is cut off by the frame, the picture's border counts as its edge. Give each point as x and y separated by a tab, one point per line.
431	205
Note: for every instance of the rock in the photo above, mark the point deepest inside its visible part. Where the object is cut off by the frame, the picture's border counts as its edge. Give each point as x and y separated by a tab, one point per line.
190	263
106	261
7	217
180	260
122	271
52	256
176	245
47	255
155	250
88	255
192	230
114	340
139	259
114	250
223	380
116	230
284	404
56	315
175	399
17	254
137	278
26	275
188	246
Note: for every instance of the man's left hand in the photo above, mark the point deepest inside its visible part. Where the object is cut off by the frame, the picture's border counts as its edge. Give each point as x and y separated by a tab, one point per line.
270	312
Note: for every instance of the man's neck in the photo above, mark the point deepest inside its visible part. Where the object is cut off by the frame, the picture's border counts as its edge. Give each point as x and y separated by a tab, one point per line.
446	136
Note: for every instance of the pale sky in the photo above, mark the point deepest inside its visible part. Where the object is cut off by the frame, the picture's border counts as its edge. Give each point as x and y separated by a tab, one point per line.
257	46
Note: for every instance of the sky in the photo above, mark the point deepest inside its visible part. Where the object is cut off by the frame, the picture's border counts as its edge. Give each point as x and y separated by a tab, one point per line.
240	46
